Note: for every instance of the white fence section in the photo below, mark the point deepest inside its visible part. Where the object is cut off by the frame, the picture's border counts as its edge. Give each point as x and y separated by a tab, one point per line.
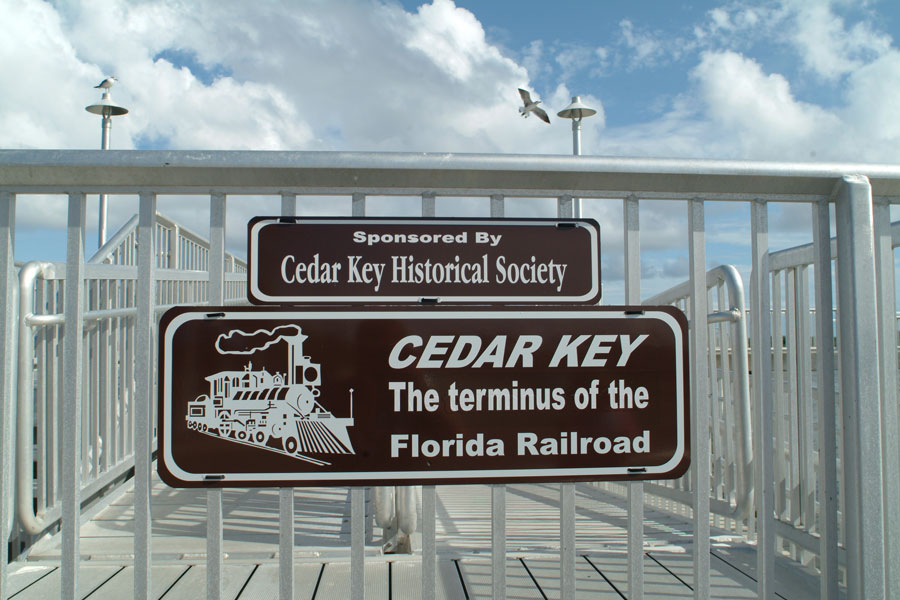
731	441
107	345
766	453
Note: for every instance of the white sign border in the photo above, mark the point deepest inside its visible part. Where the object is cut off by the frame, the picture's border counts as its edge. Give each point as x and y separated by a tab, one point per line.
256	293
325	477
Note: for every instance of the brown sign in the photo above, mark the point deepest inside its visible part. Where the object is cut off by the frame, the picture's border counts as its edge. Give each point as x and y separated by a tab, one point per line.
297	260
261	397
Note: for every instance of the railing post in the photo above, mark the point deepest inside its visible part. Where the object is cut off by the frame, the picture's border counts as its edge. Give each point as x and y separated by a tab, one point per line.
143	414
358	494
860	388
357	543
71	388
567	535
699	397
827	440
884	256
762	425
215	553
428	204
498	205
286	494
358	205
631	212
8	337
498	492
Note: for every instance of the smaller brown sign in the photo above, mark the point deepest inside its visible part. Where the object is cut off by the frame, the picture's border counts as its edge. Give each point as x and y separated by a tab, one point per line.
297	260
437	394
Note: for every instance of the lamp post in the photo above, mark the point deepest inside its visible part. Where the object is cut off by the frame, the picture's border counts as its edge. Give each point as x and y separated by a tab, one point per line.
106	109
576	111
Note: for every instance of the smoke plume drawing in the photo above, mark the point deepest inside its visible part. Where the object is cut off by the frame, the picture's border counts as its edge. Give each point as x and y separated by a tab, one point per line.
240	342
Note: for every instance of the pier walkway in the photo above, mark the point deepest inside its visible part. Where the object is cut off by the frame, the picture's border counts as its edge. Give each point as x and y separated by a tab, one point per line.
793	487
322	536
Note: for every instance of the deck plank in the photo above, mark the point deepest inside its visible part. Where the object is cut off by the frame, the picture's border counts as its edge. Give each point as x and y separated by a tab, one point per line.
335	582
89	578
264	584
476	573
723	584
122	584
23	575
792	581
589	583
192	585
406	580
658	583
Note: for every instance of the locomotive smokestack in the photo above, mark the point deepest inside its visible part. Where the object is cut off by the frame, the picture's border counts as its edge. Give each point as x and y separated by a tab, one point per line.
294	356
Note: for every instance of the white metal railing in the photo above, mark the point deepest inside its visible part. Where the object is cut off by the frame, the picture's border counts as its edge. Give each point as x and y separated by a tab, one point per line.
863	298
108	373
797	379
796	443
731	443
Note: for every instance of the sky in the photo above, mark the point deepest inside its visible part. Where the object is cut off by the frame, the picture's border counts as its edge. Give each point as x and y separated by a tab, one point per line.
794	80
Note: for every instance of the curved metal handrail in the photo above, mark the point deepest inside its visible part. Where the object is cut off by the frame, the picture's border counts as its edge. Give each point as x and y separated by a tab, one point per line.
30	520
736	314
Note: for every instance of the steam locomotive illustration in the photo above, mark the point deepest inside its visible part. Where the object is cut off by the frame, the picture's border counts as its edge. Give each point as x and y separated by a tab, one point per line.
276	411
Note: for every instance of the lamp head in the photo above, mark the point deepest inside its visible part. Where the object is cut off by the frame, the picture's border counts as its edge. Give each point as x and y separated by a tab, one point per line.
106	107
576	110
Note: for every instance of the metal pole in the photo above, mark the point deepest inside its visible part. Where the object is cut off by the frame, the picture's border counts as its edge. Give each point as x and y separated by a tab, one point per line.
106	110
8	335
576	111
106	126
576	150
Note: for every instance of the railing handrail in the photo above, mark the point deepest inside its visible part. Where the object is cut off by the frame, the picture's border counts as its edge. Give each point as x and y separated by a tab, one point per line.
805	254
737	315
276	172
129	229
30	520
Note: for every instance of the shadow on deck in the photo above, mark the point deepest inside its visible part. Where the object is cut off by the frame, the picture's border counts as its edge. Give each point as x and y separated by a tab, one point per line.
322	557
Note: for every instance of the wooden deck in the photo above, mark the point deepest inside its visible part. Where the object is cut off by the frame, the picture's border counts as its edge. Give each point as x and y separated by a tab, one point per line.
322	541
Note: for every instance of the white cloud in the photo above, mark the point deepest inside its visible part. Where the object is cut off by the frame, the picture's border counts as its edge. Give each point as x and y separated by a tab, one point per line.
347	75
451	38
646	48
367	75
827	46
871	112
43	82
759	108
650	49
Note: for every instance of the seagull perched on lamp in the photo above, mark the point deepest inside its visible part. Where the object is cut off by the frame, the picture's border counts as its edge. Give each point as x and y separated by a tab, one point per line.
107	83
531	106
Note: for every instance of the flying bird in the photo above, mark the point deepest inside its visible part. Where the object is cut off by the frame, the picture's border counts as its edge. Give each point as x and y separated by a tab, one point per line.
107	83
531	106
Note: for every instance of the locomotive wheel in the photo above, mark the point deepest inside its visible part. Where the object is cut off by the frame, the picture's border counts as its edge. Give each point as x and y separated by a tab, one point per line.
260	437
291	444
241	434
203	428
